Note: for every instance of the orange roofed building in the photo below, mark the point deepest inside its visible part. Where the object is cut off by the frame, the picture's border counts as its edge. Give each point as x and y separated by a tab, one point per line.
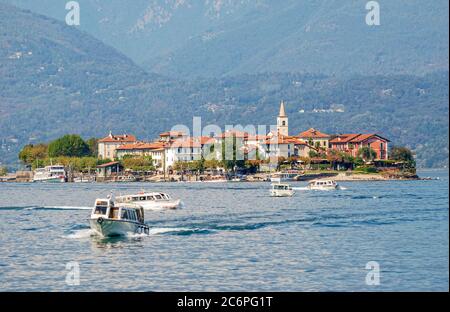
352	143
315	138
107	146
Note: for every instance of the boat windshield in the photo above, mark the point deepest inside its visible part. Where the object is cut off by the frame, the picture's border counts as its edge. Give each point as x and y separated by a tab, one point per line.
100	210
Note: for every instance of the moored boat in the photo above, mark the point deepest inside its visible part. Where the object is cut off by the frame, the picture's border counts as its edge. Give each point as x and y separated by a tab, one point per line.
50	174
151	200
110	219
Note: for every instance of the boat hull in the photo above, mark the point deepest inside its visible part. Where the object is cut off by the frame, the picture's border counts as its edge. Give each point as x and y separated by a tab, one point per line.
111	228
323	188
50	180
282	193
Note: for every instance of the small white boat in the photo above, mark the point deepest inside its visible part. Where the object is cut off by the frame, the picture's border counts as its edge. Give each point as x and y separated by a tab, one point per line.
50	174
108	219
281	190
151	200
323	185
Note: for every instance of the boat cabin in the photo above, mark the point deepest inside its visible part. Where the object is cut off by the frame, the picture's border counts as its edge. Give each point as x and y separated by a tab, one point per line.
105	208
323	183
144	197
281	187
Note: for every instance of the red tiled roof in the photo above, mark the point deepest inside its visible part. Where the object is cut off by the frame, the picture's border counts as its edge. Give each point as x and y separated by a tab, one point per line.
355	138
344	138
189	142
118	138
313	134
172	133
284	140
141	146
205	140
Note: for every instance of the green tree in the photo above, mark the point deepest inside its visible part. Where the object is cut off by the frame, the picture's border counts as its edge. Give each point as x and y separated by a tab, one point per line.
144	163
70	145
403	154
400	153
367	154
93	146
30	153
3	171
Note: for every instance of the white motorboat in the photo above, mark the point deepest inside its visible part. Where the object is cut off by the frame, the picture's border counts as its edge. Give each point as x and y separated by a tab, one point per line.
151	200
110	219
50	174
281	190
323	185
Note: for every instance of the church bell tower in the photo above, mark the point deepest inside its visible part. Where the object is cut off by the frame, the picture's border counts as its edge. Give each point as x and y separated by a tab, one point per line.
282	122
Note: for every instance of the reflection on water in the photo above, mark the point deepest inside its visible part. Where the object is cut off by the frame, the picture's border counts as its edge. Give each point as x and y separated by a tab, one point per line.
231	237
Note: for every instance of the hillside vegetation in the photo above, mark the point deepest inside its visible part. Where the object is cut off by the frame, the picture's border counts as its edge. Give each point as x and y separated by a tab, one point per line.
57	80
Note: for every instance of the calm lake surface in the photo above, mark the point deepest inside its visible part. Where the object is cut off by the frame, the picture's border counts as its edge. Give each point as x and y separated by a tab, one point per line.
232	237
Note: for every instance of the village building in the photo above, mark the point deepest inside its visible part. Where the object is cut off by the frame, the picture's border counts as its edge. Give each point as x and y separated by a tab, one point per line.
109	169
176	146
172	136
352	143
107	146
187	150
155	150
315	138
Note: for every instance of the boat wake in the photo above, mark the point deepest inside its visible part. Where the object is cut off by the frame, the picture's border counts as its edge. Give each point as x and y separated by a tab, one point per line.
65	208
80	234
87	233
300	188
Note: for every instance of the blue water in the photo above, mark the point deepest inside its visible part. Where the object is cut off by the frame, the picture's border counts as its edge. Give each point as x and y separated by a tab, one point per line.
232	237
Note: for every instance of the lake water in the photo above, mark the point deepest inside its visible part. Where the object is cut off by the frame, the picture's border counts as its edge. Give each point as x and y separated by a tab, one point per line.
232	237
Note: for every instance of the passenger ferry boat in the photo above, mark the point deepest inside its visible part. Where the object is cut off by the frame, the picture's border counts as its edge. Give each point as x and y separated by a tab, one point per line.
108	219
52	173
281	190
151	200
323	185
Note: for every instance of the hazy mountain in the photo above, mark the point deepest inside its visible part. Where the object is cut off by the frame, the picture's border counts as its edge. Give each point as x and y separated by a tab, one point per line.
55	79
187	38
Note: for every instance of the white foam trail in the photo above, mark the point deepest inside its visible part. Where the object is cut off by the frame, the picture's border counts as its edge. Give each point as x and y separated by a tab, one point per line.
343	188
157	231
79	234
300	188
66	207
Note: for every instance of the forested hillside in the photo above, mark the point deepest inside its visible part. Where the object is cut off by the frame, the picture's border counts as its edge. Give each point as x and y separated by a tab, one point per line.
55	80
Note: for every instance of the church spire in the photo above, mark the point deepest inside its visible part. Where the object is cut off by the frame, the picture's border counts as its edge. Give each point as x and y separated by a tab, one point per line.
282	121
282	111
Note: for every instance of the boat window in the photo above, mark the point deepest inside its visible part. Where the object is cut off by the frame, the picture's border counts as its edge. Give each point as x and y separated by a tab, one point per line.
142	198
100	210
135	198
124	214
132	215
114	213
158	197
